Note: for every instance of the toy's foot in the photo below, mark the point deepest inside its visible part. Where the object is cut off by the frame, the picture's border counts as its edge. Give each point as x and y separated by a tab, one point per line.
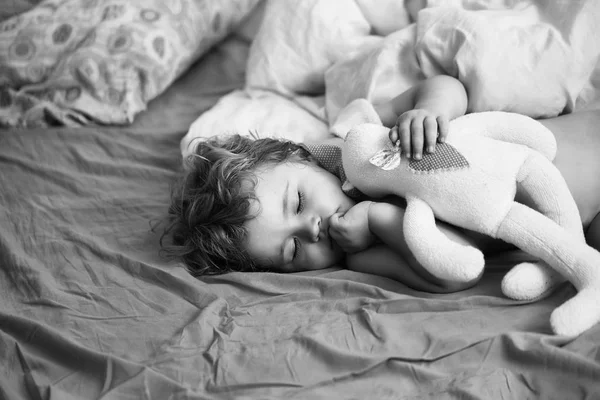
453	262
530	281
468	264
578	314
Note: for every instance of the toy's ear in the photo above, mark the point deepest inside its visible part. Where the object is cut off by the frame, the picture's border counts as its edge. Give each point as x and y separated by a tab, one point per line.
508	127
361	144
358	112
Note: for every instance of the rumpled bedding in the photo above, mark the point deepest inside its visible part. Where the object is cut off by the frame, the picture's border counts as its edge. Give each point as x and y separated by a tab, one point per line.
309	60
90	310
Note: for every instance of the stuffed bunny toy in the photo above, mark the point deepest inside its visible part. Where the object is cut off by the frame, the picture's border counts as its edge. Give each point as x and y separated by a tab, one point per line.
471	181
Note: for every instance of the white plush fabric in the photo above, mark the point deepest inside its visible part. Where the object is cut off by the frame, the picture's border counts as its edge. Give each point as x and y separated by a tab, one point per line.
534	57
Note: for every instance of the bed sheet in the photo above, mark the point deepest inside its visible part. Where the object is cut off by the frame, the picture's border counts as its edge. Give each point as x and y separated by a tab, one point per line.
89	309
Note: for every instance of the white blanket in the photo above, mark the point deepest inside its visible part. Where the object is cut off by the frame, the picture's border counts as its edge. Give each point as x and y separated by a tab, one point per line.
310	58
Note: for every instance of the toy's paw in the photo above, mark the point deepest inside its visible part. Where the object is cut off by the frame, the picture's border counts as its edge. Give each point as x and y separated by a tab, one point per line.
460	263
578	314
530	281
359	111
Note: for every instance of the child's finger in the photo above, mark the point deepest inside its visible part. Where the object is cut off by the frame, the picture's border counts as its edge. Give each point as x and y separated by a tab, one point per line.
431	133
416	138
404	134
335	235
393	135
335	221
442	123
338	237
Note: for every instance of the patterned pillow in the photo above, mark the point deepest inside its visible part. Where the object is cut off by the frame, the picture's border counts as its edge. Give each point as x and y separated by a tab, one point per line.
14	7
72	62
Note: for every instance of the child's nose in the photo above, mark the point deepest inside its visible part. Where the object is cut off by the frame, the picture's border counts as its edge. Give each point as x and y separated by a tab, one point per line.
310	229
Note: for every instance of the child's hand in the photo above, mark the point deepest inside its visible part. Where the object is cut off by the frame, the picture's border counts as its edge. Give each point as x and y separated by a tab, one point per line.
418	130
351	230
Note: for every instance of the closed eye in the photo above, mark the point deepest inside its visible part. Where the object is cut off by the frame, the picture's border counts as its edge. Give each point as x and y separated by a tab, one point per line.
297	246
300	202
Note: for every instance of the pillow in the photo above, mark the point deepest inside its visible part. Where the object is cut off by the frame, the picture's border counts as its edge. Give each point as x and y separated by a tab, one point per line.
532	61
299	40
386	16
73	62
14	7
377	75
262	114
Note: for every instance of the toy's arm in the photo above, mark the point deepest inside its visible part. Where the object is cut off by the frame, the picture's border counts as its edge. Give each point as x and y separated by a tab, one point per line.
455	260
394	259
508	127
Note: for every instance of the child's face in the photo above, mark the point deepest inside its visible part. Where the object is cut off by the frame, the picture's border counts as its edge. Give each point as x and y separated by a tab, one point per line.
291	228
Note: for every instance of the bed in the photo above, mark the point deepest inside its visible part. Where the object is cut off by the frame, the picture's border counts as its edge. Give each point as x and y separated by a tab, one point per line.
90	309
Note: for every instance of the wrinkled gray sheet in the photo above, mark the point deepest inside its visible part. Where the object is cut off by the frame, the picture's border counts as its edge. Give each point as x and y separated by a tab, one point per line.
88	308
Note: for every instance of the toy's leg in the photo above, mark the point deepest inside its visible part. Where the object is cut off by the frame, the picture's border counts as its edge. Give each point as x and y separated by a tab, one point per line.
574	259
551	197
438	254
530	281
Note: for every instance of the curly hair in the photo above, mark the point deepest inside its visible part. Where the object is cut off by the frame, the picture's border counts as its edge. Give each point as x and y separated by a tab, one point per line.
211	201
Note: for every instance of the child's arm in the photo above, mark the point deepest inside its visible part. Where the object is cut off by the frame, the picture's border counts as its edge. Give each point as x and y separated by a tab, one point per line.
381	260
442	95
419	116
357	230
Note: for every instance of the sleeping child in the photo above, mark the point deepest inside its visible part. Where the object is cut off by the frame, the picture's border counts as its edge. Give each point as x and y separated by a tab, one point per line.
249	204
